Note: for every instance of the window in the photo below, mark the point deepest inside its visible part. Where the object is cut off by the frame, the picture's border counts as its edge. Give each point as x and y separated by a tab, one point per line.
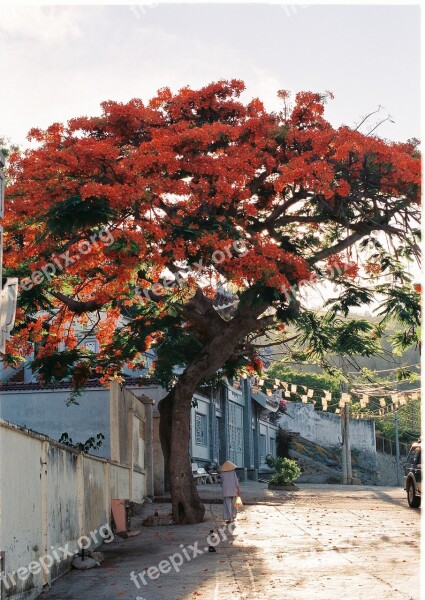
200	429
90	345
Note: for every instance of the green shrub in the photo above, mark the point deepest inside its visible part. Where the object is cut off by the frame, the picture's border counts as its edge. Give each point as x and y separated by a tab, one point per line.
287	470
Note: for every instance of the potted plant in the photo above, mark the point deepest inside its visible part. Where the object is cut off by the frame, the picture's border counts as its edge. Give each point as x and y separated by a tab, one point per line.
287	471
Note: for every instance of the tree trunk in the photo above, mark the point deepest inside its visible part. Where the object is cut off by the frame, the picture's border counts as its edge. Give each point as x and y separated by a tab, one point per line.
165	408
175	437
175	413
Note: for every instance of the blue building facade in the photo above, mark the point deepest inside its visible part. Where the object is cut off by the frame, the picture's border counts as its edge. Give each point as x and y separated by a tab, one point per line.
234	423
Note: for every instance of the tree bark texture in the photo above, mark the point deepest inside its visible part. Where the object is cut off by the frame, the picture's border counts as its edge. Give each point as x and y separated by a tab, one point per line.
175	411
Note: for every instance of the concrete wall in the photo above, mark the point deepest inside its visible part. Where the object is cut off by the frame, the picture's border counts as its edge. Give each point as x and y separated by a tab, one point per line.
45	411
51	495
387	468
324	428
122	415
22	526
132	437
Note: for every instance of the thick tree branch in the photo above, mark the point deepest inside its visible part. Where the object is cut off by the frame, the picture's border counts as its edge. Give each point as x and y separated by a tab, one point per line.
77	306
360	231
200	311
339	247
281	208
286	220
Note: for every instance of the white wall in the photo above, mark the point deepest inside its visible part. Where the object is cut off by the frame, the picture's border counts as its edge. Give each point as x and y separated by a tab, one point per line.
50	496
324	428
45	411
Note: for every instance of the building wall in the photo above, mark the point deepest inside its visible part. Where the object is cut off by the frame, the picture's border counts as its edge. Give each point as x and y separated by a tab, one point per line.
234	435
51	495
324	428
233	426
127	426
45	411
386	466
269	432
99	410
21	517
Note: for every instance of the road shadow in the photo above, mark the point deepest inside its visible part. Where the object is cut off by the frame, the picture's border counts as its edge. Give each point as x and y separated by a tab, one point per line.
169	562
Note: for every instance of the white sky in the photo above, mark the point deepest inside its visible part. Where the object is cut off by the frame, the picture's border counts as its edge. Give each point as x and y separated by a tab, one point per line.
61	62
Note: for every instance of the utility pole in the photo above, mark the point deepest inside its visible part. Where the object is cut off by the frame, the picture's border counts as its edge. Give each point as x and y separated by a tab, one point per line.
347	472
343	453
348	443
397	447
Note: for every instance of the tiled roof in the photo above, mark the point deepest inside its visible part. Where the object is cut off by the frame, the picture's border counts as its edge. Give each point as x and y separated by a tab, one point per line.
66	385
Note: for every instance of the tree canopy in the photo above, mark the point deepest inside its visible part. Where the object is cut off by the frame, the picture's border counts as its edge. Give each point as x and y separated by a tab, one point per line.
128	223
205	191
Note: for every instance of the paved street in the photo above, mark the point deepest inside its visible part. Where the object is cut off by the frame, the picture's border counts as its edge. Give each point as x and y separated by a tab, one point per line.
322	542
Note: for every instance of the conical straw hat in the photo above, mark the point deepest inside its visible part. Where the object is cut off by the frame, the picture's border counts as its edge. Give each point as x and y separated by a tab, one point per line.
227	466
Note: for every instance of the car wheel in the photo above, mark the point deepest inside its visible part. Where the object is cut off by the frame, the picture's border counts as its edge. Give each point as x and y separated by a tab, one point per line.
413	500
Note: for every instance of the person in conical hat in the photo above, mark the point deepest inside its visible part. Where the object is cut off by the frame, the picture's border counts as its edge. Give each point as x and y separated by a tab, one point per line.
230	489
227	466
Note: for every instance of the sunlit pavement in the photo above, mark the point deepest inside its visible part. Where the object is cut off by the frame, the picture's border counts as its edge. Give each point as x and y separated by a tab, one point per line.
323	542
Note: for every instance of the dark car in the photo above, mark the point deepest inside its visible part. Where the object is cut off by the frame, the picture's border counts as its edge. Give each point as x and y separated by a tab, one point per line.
412	475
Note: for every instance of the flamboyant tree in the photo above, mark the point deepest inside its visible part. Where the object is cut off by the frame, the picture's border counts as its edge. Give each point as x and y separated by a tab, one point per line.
130	221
